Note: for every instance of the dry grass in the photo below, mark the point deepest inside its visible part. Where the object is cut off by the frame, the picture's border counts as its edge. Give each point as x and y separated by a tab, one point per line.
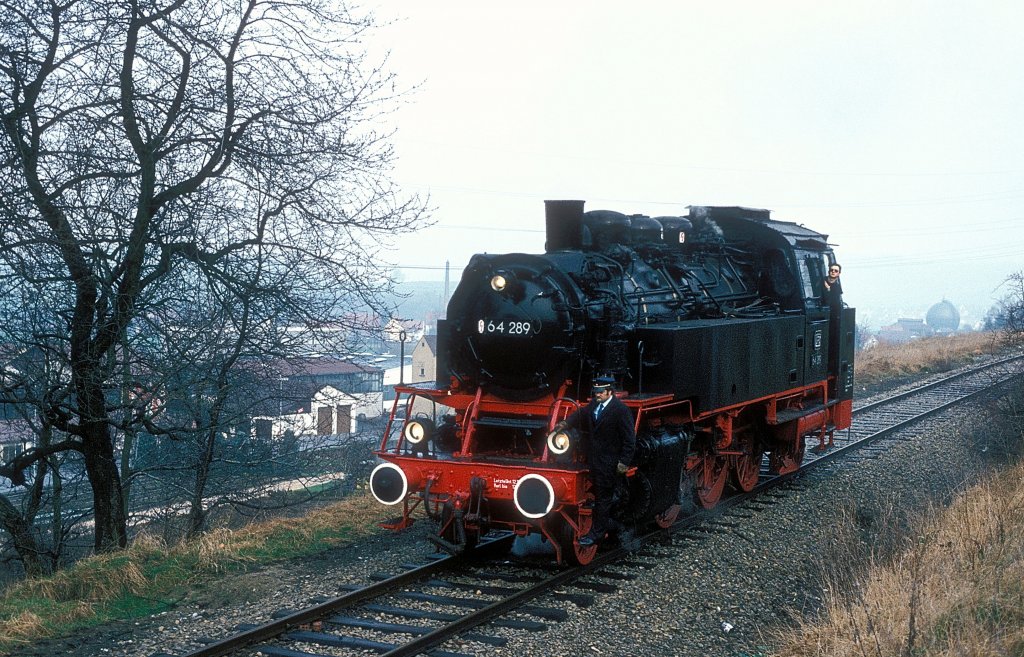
105	577
959	590
151	575
885	363
22	627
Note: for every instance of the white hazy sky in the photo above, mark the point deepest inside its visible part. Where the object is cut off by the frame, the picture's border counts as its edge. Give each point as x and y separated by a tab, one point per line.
895	127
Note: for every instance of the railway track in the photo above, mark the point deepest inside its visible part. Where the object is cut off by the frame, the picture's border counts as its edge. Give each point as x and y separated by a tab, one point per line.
484	589
479	599
883	418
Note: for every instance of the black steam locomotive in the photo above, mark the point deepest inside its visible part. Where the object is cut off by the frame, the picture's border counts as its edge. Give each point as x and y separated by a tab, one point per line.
715	325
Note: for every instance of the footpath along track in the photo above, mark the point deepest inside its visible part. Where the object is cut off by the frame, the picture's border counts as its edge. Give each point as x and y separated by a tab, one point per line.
479	600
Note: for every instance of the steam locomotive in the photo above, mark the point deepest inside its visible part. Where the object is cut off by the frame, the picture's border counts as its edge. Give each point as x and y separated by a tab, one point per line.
715	325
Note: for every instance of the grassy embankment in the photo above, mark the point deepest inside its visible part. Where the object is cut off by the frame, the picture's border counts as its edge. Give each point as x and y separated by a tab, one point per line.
892	364
954	585
957	590
151	577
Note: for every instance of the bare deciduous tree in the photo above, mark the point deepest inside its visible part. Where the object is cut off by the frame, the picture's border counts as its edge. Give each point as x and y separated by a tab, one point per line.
1007	315
159	156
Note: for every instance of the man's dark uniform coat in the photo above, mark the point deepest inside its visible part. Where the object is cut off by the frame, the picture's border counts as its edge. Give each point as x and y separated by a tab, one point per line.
610	441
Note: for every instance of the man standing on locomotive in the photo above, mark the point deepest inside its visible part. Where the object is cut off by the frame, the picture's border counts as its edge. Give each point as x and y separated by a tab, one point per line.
834	299
834	288
610	447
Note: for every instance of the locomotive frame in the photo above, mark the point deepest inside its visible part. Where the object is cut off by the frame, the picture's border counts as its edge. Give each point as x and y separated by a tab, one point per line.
714	386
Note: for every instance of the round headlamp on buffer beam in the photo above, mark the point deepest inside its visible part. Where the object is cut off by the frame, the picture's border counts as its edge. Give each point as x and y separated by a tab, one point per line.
418	433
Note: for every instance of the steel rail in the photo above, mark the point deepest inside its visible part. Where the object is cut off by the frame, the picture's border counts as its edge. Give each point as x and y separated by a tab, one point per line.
279	626
503	606
933	384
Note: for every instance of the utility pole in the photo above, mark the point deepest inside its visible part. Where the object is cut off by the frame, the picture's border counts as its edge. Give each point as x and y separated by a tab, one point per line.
447	279
401	357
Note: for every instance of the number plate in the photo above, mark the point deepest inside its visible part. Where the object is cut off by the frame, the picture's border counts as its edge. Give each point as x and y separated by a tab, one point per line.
504	327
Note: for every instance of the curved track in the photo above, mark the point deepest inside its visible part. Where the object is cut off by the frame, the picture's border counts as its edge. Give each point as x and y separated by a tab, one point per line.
421	608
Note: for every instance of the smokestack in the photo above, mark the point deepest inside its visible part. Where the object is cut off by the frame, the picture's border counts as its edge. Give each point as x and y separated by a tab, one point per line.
564	223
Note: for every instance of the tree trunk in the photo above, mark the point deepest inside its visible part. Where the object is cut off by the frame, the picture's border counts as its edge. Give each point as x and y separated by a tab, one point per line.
197	512
128	434
111	520
22	538
101	466
57	507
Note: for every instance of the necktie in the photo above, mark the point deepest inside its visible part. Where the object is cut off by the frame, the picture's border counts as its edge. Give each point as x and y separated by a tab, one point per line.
597	411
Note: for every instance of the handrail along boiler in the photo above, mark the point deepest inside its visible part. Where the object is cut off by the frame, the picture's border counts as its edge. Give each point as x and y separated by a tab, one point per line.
715	326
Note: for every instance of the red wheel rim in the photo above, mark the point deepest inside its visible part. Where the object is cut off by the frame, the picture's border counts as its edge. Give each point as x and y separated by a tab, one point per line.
584	555
746	467
568	538
711	477
667	517
747	470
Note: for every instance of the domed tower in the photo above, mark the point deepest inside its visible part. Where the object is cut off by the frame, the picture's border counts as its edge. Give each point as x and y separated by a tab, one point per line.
943	317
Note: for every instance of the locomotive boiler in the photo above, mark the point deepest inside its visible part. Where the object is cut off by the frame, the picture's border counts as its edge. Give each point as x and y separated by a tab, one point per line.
715	326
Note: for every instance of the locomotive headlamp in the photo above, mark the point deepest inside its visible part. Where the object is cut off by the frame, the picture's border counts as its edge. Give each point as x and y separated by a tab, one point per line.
499	283
508	284
414	432
418	431
559	442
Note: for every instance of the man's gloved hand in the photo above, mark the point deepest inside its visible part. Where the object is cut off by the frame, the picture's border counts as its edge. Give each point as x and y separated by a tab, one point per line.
622	468
559	427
